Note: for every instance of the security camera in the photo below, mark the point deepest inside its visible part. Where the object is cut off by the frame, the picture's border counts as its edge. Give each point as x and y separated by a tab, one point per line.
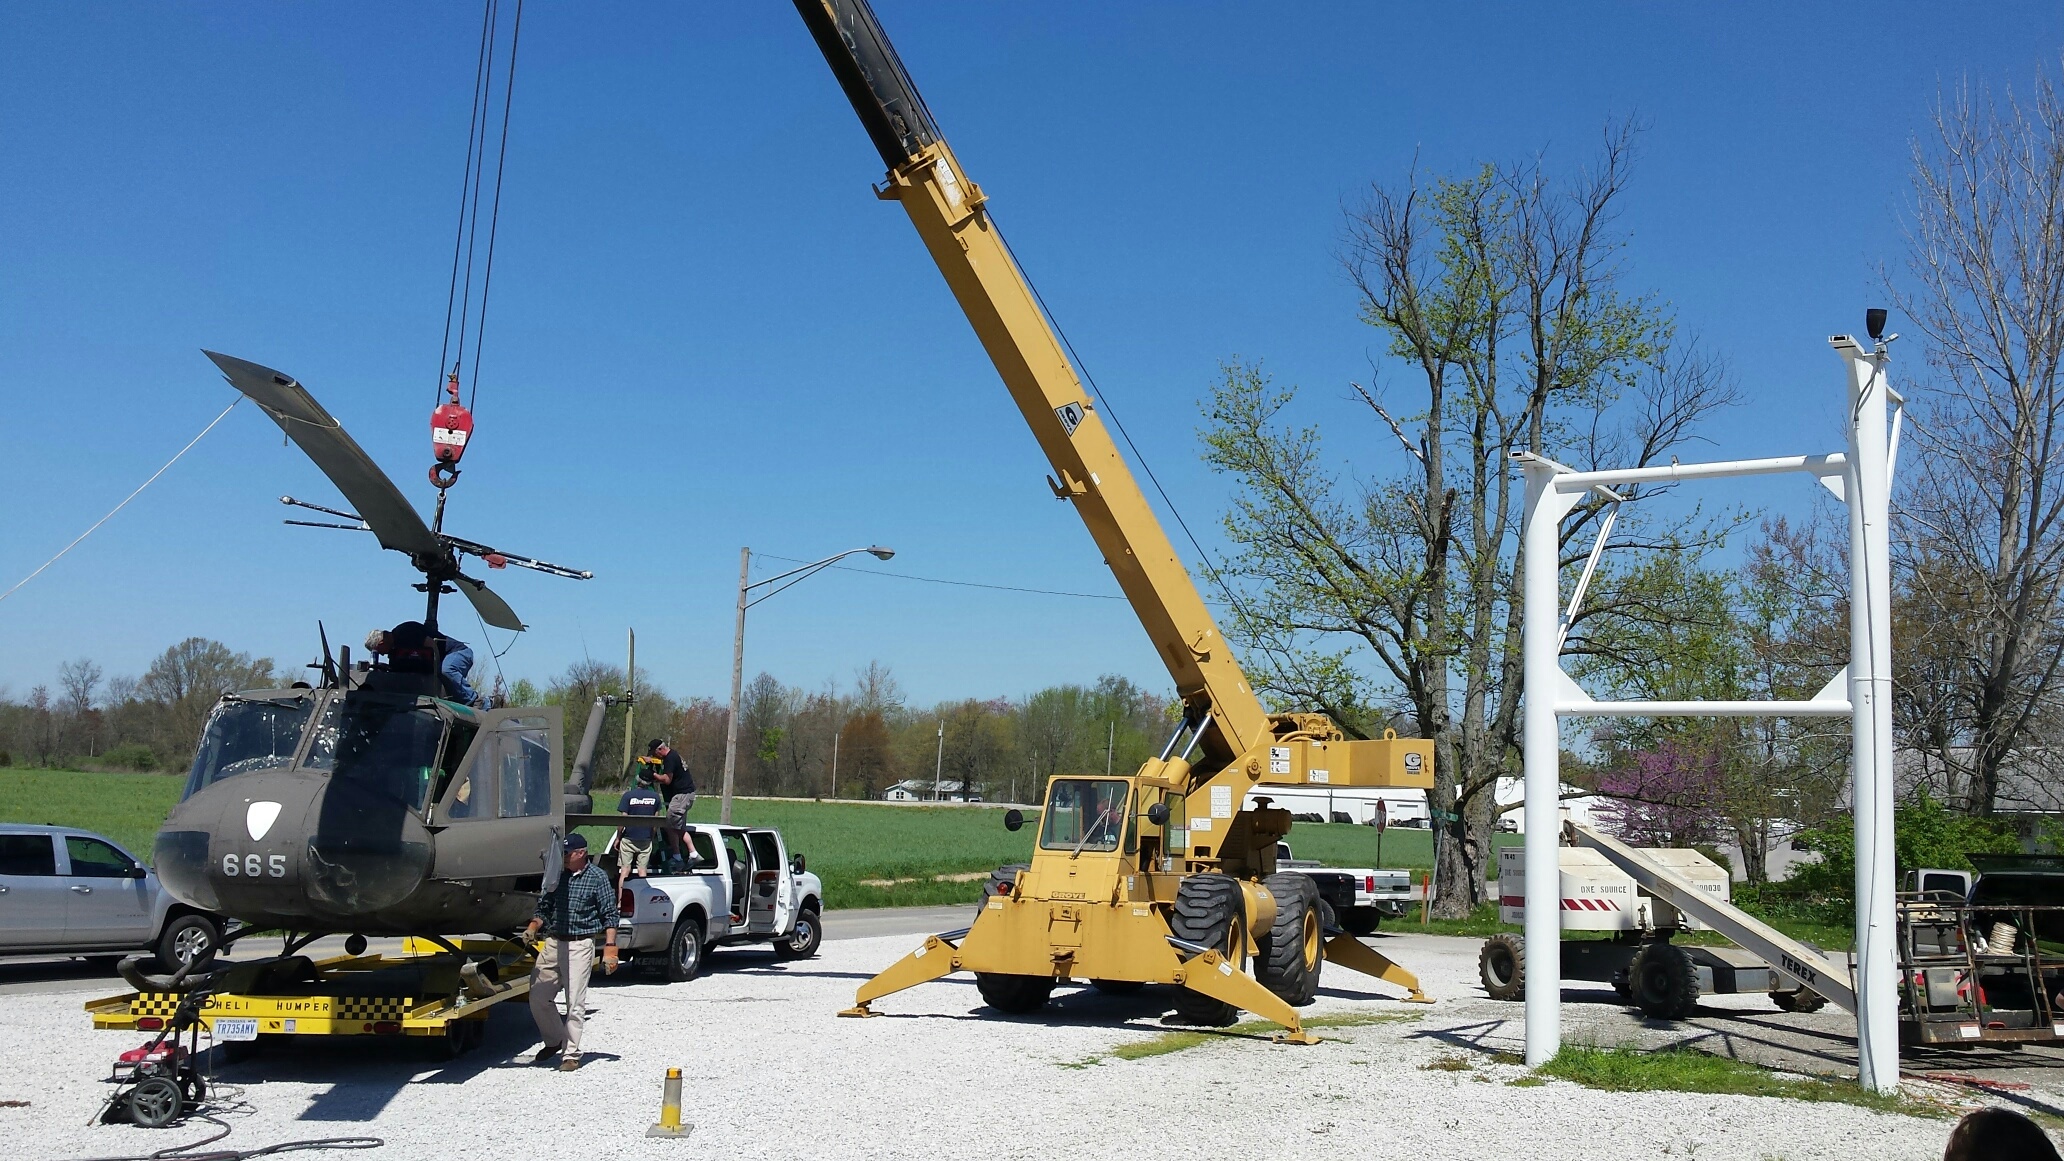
1874	322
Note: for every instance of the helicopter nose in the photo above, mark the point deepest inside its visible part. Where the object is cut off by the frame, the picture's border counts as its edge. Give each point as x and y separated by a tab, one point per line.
236	846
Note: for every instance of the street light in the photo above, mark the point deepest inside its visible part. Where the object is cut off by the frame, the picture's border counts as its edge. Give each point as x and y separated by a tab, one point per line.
793	576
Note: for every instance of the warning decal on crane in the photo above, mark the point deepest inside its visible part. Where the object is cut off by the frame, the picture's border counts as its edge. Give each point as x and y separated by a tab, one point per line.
1221	802
1070	415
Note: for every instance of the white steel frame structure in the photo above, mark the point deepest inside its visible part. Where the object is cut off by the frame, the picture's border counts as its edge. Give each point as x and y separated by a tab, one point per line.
1861	478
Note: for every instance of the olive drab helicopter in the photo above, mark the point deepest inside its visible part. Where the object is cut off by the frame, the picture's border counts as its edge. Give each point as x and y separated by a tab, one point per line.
369	802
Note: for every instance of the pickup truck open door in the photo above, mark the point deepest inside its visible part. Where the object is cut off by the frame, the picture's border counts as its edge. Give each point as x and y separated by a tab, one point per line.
771	901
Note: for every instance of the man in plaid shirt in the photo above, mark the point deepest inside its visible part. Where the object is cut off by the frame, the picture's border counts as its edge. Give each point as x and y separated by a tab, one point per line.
571	914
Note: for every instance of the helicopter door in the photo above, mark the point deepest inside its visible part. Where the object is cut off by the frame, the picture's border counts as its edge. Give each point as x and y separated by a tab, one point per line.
771	901
501	810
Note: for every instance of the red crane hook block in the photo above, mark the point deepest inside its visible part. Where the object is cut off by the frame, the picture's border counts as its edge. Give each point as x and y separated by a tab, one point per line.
451	428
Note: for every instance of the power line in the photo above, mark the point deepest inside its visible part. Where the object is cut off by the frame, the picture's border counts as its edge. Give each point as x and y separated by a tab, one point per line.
933	580
125	500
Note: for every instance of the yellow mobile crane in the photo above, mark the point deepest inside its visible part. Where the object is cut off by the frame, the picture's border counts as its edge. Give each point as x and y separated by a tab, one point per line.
1167	876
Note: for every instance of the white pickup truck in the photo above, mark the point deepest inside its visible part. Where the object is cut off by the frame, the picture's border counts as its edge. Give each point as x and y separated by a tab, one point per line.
1359	897
741	887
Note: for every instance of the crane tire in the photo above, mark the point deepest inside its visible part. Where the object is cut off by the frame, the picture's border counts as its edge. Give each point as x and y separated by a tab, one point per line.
1012	994
1502	966
1294	949
1208	911
1664	981
1002	880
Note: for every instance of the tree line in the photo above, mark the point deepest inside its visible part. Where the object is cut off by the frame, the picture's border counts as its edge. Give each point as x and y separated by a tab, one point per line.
854	740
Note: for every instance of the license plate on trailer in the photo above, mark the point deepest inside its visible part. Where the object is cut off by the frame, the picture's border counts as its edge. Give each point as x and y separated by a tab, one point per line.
235	1028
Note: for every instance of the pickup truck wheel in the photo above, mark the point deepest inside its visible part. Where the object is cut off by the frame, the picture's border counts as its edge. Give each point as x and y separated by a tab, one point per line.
1293	951
187	938
802	943
1208	909
1664	981
1361	920
1502	966
1014	995
684	951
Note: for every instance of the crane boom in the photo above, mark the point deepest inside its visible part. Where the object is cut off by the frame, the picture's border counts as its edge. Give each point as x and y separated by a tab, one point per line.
952	217
1168	875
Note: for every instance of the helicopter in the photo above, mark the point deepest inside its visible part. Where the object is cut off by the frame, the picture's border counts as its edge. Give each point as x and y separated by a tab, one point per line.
370	802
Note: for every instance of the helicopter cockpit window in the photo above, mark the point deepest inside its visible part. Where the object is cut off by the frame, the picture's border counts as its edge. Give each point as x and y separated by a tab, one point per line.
379	747
243	736
518	757
1084	814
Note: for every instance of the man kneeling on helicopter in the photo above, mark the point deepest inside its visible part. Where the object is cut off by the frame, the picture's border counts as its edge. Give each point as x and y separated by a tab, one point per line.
412	648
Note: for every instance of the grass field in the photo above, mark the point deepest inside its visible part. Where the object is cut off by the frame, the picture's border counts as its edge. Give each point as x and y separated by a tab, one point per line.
125	807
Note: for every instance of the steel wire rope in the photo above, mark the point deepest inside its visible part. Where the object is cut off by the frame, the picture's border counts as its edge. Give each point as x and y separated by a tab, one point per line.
1202	557
1082	367
451	294
125	500
494	220
477	131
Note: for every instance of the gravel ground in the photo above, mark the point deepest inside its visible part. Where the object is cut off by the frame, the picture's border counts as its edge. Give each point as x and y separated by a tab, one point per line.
772	1074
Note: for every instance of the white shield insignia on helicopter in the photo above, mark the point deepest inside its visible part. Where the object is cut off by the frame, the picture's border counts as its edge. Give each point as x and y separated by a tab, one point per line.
260	818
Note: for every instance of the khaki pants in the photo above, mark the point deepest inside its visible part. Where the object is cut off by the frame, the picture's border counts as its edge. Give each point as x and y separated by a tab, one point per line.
561	963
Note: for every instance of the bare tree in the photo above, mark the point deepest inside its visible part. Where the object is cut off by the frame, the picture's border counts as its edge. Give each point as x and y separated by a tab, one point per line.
1498	297
79	679
1982	558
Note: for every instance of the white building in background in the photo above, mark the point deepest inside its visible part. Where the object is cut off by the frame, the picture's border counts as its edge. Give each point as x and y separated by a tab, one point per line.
1578	805
925	790
1403	807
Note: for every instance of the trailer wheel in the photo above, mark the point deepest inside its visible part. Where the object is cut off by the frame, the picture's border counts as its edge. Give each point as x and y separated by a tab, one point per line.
1293	951
1208	910
1014	995
684	951
1664	981
1361	920
1502	966
1802	1001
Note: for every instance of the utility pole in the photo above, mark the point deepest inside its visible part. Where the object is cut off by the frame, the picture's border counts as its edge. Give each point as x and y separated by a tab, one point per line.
939	764
737	688
630	699
834	759
1110	742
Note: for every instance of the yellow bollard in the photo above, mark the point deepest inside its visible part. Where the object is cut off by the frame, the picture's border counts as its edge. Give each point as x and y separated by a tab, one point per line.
670	1109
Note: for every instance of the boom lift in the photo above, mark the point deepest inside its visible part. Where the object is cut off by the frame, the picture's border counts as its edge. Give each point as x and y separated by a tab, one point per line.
1167	876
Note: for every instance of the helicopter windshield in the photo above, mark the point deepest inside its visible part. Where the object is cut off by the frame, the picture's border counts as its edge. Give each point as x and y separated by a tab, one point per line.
383	749
243	736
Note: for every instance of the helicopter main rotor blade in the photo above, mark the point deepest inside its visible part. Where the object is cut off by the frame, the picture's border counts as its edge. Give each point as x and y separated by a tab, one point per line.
493	609
379	503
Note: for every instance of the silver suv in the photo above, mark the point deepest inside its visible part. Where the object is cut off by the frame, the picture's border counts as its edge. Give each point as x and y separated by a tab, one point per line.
71	892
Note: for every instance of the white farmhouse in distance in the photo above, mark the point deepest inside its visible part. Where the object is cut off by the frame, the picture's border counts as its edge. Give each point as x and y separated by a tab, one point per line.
925	790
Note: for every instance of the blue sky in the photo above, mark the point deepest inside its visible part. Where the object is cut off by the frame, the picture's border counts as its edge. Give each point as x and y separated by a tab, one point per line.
706	332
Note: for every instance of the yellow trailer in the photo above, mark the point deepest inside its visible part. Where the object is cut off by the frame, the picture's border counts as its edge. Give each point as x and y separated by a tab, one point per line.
442	990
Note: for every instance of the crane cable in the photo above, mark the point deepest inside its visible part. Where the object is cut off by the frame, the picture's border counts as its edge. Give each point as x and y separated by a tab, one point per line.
458	302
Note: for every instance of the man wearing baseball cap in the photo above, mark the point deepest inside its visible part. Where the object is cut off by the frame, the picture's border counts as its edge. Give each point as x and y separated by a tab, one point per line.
571	914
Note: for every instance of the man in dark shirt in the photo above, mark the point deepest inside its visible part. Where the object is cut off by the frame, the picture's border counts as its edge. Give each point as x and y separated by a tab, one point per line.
634	843
679	787
412	648
571	914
